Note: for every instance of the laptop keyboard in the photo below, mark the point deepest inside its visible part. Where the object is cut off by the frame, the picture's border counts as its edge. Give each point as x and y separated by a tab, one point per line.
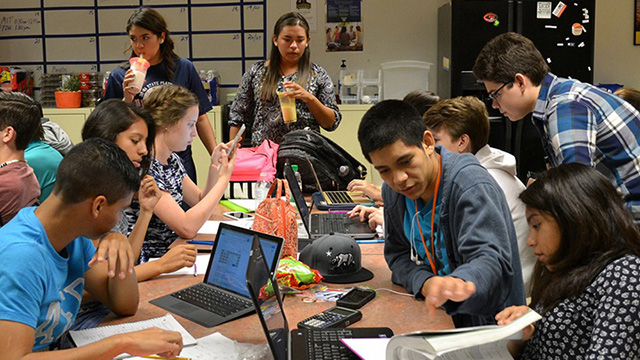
331	223
213	300
339	197
325	344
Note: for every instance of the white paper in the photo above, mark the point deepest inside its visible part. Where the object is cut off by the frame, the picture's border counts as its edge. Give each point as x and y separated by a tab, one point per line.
167	322
211	226
199	268
367	349
211	347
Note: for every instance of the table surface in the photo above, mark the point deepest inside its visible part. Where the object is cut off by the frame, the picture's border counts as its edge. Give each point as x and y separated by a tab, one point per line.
401	313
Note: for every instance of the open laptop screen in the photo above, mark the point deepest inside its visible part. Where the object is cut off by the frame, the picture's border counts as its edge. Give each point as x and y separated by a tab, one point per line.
231	256
268	303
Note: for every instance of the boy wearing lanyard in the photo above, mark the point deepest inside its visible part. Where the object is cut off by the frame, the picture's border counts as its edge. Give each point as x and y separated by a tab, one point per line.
458	252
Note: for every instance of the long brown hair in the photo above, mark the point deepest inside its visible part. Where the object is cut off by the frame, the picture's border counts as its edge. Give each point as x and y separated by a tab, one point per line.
272	75
596	228
150	19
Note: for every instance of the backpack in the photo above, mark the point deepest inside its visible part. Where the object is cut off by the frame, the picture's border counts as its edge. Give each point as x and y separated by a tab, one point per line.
277	216
334	166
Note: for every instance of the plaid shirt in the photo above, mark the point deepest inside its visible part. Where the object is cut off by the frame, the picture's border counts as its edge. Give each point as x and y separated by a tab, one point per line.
581	123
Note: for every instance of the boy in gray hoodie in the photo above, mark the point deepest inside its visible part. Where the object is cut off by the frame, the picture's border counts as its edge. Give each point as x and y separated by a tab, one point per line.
469	263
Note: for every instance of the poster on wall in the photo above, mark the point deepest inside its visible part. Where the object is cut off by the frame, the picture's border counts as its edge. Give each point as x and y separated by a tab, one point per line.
343	29
308	9
636	29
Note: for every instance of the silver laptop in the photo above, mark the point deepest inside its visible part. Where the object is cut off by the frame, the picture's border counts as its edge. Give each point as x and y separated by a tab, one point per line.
223	295
320	224
338	198
299	344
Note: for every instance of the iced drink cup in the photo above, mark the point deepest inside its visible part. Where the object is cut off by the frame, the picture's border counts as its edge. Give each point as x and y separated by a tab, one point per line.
139	67
288	107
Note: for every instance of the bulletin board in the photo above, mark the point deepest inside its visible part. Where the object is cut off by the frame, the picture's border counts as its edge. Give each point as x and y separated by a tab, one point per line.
71	36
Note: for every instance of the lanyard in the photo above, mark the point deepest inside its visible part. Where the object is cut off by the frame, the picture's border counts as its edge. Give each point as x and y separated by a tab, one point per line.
431	257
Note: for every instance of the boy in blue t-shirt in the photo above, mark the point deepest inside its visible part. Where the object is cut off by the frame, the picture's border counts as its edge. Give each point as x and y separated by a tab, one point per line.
48	260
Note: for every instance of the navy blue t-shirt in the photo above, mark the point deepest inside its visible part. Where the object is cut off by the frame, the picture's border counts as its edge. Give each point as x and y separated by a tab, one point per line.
185	75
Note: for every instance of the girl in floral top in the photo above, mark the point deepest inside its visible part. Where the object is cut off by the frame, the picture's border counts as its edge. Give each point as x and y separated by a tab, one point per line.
175	112
586	283
289	68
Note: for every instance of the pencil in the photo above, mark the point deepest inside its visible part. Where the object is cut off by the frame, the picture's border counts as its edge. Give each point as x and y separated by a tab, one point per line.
160	357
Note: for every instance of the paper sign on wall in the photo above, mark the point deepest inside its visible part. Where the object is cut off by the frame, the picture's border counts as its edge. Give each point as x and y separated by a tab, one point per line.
544	10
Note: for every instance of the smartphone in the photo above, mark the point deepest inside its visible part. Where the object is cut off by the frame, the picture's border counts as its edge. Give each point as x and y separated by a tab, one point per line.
237	138
356	298
238	215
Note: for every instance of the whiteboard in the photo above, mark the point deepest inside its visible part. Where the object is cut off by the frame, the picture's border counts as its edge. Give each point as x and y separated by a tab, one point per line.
59	36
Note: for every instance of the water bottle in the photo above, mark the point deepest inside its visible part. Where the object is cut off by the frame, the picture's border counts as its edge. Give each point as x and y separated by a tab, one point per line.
262	188
296	173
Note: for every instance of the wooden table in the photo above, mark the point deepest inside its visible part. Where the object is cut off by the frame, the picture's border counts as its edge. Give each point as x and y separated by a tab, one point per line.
398	312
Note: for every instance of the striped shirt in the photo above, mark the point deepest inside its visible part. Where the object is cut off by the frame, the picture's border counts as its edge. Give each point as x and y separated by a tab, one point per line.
581	123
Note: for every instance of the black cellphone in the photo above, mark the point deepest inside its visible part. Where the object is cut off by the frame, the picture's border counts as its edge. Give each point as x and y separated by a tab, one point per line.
336	317
356	298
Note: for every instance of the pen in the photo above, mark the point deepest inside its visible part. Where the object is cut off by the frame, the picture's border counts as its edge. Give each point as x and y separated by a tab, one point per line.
372	241
200	242
160	357
195	269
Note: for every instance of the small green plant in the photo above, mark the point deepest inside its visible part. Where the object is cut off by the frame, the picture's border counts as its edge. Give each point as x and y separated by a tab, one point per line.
71	84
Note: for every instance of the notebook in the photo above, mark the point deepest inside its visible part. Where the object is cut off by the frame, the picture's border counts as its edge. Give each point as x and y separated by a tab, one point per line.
223	294
300	344
321	224
338	198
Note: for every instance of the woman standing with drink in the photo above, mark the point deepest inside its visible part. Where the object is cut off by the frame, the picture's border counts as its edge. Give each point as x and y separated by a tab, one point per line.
289	71
150	40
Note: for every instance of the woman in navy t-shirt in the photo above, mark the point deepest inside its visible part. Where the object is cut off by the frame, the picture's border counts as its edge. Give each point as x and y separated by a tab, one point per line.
150	39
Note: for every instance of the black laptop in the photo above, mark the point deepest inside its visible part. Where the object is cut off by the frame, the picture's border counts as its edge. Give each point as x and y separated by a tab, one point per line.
300	344
223	295
319	224
340	199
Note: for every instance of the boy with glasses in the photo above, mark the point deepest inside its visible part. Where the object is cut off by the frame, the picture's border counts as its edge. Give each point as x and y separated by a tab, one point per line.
578	122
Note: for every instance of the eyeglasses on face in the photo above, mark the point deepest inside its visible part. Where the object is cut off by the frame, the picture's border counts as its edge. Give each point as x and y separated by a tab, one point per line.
494	95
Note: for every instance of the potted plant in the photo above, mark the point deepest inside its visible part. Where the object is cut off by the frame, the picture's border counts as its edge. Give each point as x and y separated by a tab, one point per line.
69	94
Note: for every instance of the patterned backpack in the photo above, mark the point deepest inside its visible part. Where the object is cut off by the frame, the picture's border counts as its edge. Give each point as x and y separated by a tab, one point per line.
277	216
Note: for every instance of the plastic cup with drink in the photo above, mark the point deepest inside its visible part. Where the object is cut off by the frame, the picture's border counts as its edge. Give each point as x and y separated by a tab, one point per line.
288	107
139	67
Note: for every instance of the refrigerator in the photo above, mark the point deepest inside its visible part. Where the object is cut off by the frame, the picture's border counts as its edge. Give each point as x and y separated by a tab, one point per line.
563	31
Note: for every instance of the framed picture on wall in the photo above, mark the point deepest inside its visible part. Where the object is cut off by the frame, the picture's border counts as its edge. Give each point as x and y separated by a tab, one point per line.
636	27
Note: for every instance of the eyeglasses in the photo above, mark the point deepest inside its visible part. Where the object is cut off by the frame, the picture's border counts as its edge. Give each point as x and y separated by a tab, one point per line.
494	95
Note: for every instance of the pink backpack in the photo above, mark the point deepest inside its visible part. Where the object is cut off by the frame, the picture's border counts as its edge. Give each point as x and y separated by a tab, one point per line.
253	161
276	216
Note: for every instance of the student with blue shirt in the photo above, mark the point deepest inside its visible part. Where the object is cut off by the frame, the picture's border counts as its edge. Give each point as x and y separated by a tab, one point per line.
469	263
577	122
44	160
150	39
48	260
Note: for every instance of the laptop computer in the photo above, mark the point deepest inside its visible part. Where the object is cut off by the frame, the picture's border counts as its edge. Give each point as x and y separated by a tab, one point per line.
320	224
223	294
299	344
336	198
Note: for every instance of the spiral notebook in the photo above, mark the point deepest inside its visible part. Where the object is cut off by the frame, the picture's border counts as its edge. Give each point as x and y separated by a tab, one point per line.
167	322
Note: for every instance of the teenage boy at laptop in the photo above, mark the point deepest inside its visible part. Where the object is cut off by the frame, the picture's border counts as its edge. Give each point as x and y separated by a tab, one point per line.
48	260
471	266
577	122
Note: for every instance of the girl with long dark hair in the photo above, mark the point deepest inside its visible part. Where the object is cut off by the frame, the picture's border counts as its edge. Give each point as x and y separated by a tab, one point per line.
586	283
289	69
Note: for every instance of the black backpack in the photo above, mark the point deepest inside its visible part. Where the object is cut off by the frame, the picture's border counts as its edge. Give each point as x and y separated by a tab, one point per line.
334	166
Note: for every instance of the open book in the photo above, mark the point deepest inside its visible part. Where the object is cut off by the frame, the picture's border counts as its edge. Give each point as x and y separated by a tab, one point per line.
480	342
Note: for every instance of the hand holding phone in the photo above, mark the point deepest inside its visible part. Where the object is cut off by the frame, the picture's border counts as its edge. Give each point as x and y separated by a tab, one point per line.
236	139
